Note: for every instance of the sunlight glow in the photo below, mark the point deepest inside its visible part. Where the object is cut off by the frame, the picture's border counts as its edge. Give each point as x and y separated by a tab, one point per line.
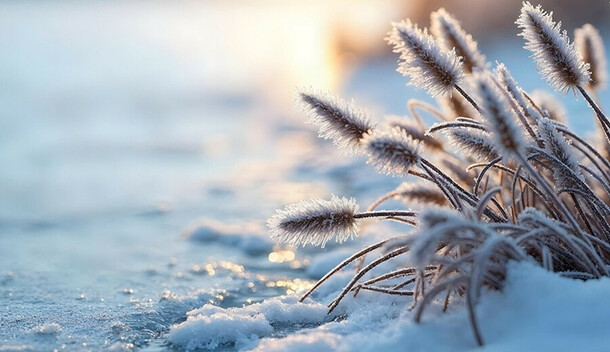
292	286
281	256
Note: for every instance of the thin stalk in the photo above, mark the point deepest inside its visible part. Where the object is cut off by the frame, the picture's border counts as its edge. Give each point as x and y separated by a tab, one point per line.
549	191
381	199
390	255
471	199
414	103
451	197
385	214
603	120
345	263
468	98
588	146
573	223
454	124
387	291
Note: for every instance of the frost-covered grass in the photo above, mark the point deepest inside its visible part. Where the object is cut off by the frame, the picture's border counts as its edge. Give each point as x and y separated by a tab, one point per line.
535	310
517	183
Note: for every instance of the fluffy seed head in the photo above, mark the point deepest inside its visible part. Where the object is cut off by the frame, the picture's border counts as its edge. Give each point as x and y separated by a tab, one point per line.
391	151
474	143
551	107
456	106
510	84
590	46
420	192
315	222
338	119
555	144
422	59
448	31
413	130
557	60
500	120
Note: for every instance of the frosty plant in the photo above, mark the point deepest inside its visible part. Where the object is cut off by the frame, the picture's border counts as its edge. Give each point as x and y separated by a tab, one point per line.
500	177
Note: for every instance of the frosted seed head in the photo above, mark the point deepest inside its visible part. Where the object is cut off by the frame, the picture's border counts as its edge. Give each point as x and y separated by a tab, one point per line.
555	144
315	222
338	120
456	106
550	106
426	64
420	192
413	130
510	85
590	46
556	58
499	118
473	143
449	33
391	151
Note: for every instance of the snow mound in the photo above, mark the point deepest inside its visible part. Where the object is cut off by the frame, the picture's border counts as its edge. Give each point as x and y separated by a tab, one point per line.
288	310
249	237
211	326
220	328
318	342
171	301
538	310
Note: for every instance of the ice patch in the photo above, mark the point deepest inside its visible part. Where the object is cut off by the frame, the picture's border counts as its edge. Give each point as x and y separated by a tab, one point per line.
249	237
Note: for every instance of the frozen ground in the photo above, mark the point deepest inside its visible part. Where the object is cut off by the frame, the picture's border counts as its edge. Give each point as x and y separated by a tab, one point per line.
537	311
133	194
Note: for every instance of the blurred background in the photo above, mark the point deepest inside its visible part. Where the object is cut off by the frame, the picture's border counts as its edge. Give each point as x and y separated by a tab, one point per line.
106	105
113	106
121	122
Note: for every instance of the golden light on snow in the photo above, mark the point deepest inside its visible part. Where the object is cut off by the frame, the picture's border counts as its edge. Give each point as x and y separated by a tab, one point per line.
292	286
212	268
281	256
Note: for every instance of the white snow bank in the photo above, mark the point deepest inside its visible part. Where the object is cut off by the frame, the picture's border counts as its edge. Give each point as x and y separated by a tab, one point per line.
538	310
318	342
284	309
220	328
211	326
249	237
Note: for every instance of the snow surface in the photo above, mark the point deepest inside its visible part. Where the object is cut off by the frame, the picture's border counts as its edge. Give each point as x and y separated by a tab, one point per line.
538	310
211	326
